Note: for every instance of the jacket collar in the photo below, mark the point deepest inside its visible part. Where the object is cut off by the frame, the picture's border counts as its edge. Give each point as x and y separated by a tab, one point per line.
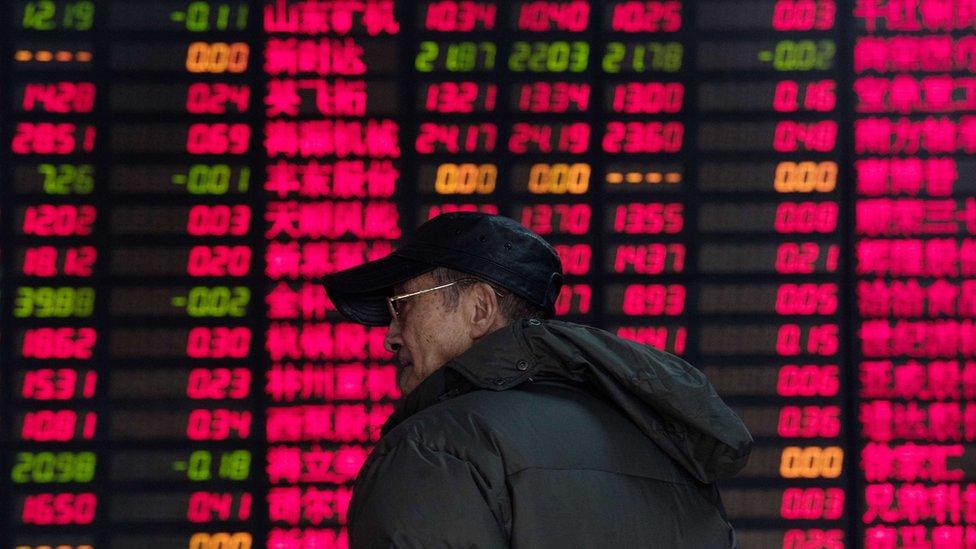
499	361
502	359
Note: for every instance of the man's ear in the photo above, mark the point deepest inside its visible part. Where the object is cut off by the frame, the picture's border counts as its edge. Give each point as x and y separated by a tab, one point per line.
483	312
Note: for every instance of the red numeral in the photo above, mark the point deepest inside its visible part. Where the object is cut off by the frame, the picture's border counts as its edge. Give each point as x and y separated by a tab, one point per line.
59	97
646	16
57	384
544	16
47	509
654	218
218	342
654	299
809	421
220	424
808	380
59	342
219	261
804	15
202	98
791	136
648	97
58	220
649	258
218	220
557	97
574	299
812	503
575	258
459	16
557	218
806	299
820	340
643	137
218	138
49	138
218	383
56	425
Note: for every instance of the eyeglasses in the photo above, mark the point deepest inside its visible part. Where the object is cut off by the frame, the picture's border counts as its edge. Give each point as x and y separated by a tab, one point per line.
391	302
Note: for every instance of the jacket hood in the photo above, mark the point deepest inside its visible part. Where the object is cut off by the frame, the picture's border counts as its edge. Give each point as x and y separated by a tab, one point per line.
670	401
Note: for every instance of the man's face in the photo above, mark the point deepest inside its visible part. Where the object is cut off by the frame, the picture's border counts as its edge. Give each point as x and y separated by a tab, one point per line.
427	334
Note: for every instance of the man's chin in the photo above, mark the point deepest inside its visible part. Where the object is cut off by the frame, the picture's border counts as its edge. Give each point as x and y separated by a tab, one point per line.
405	382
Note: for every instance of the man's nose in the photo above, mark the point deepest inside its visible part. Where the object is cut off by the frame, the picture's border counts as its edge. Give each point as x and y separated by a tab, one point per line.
392	342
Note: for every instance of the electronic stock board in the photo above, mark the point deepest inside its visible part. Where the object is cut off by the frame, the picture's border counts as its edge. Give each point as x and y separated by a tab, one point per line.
779	191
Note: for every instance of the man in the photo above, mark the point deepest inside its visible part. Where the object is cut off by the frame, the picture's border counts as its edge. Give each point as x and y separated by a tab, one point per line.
523	432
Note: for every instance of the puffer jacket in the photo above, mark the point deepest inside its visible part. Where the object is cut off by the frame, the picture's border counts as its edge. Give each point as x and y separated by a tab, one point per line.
552	434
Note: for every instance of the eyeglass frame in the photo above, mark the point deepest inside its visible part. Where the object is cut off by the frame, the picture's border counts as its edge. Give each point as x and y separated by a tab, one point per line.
391	300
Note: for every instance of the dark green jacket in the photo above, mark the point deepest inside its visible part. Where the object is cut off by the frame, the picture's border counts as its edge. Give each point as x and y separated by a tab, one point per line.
551	434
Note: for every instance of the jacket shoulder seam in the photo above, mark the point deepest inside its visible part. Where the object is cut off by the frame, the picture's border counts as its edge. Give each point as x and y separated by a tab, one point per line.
420	442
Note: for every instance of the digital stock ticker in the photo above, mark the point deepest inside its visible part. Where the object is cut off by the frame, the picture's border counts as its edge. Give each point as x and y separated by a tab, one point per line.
782	192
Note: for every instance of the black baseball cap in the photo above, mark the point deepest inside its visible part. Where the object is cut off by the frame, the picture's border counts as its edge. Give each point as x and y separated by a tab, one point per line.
490	247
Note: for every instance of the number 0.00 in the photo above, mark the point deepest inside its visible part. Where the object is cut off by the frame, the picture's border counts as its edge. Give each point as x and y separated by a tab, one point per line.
811	462
220	540
559	178
466	178
805	177
217	57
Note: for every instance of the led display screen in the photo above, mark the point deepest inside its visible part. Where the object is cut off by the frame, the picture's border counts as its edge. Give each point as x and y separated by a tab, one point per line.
779	191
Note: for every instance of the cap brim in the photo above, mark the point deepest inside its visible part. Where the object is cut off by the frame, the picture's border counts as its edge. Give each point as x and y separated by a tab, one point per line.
360	293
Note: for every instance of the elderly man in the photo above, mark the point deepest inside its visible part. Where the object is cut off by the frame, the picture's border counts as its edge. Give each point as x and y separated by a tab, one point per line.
517	431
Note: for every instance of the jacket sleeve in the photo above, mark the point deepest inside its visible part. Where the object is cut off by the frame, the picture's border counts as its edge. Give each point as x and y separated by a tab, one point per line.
413	496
